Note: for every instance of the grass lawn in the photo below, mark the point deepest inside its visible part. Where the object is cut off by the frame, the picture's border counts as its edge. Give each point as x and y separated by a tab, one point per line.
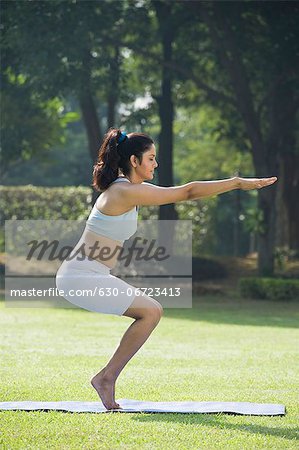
222	349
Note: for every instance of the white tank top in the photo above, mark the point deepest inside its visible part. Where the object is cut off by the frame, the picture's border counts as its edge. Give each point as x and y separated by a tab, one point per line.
119	228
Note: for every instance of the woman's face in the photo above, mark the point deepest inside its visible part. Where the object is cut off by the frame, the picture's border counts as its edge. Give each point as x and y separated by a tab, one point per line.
145	170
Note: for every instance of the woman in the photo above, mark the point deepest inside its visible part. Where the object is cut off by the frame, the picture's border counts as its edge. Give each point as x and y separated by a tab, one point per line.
124	163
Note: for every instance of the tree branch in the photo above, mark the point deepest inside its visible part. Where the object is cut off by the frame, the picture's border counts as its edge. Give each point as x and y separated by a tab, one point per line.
232	62
212	94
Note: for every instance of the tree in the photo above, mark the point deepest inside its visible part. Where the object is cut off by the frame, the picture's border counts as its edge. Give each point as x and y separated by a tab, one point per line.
30	125
238	56
247	67
266	100
77	57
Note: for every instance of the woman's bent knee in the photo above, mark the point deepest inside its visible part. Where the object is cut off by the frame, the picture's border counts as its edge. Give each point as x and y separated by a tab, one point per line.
144	307
156	313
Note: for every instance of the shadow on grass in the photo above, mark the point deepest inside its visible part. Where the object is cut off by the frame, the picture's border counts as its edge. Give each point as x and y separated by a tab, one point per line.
212	420
207	419
217	421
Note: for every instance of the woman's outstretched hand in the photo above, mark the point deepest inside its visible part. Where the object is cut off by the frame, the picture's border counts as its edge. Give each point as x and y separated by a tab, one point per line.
247	184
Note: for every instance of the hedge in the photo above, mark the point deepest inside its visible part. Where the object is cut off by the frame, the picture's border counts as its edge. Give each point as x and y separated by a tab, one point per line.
35	202
48	203
69	202
269	288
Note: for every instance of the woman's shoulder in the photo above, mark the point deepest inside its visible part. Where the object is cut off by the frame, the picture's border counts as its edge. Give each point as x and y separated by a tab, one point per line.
112	200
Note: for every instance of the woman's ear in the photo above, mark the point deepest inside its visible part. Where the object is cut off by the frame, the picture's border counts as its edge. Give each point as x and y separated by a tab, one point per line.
133	160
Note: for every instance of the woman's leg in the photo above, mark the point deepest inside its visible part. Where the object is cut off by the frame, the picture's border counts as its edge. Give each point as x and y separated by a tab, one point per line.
147	313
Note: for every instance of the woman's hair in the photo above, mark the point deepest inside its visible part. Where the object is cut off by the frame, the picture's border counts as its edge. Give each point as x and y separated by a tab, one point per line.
114	154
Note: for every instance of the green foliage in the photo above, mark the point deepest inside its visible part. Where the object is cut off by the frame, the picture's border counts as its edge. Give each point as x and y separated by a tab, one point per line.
35	202
269	288
282	255
68	164
203	150
201	215
58	65
30	125
210	141
254	219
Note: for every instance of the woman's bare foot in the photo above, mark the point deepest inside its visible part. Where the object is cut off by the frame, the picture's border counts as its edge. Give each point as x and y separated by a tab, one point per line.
105	387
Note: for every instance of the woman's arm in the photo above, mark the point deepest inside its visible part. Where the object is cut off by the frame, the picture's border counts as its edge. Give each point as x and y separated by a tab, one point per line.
149	194
199	189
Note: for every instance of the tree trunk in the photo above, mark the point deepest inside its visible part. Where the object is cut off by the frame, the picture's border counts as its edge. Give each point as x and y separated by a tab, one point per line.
266	237
264	157
165	107
166	113
113	88
289	159
291	197
267	204
89	112
91	122
93	131
282	222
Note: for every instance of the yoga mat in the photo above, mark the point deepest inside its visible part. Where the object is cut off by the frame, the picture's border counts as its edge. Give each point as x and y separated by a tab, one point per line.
135	406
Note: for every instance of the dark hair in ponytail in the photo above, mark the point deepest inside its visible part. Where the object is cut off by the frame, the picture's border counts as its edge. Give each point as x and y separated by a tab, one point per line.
114	154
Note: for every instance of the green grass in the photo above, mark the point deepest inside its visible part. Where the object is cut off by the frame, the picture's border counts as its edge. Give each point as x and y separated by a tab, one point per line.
222	349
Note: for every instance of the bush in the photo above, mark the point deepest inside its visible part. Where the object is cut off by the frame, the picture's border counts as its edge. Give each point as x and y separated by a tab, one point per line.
269	288
38	202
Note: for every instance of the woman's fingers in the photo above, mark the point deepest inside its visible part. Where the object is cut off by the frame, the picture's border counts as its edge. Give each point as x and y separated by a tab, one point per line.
268	181
256	183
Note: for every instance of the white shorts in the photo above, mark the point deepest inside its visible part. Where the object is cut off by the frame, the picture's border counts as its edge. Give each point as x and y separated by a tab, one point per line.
89	285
